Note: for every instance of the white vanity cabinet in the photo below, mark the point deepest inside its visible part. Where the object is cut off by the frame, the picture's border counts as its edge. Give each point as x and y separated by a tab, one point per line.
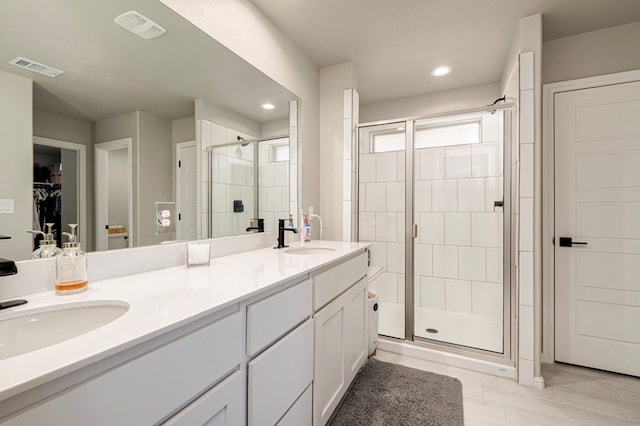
153	386
279	376
340	333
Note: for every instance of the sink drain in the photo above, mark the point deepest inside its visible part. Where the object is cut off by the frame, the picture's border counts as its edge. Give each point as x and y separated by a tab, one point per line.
431	330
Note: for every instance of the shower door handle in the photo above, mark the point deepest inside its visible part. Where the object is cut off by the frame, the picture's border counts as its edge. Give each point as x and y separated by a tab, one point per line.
568	242
415	230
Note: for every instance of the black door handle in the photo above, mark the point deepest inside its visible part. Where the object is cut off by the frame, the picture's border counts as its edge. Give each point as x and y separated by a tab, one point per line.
568	242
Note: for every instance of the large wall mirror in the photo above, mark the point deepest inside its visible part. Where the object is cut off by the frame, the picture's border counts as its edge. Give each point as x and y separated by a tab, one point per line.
151	132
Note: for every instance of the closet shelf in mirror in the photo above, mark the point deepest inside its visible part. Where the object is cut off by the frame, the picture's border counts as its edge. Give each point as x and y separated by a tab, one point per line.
48	184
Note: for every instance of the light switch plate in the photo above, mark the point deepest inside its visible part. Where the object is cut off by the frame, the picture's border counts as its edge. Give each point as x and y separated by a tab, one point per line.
7	206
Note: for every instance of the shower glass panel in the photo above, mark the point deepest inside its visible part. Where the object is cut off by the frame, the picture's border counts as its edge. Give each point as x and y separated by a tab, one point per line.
382	218
458	254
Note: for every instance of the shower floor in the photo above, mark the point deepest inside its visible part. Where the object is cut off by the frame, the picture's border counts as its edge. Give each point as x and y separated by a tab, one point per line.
453	327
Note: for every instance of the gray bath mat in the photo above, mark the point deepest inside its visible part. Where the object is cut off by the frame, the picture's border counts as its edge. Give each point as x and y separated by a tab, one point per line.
391	394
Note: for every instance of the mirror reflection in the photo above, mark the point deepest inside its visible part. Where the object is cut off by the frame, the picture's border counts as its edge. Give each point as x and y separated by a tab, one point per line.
139	140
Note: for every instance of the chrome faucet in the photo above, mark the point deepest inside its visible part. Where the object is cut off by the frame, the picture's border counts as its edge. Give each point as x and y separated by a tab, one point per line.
259	228
281	230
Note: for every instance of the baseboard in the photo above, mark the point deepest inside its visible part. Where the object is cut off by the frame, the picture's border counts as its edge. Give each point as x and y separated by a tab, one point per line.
456	360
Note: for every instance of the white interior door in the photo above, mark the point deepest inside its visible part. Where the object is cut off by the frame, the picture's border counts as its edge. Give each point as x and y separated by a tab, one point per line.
597	202
186	177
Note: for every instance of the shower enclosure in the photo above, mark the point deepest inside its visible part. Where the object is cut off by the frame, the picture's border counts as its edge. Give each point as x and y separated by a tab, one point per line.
249	179
434	201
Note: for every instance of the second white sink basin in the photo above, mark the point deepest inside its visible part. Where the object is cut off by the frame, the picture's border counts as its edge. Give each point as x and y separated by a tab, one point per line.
308	250
33	329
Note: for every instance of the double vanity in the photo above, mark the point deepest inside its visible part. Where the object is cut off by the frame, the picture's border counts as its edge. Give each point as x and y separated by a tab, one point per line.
263	337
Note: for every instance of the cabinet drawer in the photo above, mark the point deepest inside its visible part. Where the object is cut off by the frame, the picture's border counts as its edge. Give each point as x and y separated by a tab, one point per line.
329	284
278	376
300	413
152	386
273	317
221	406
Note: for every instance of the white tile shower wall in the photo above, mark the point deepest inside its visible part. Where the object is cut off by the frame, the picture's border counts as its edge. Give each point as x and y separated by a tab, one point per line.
274	186
455	191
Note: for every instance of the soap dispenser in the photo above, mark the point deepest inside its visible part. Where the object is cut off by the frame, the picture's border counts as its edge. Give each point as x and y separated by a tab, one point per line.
71	266
48	247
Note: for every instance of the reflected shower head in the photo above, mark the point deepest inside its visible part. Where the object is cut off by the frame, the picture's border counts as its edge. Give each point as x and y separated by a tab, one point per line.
240	138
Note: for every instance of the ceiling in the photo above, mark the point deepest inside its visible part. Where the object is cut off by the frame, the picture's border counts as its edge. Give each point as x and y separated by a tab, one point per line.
109	71
396	43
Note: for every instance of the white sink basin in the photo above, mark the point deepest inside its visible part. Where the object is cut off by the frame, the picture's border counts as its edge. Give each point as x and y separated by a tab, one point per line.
308	250
33	329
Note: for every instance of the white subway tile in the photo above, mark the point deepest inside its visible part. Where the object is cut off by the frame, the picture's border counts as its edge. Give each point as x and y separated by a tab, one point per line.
422	196
526	224
281	173
445	261
487	299
526	116
486	229
491	127
495	265
494	192
444	195
525	337
486	159
347	103
423	259
362	197
471	195
387	167
389	288
457	228
376	197
432	163
346	180
367	228
347	216
526	70
386	227
431	228
379	254
458	161
395	196
401	288
526	170
395	257
472	263
347	133
525	278
401	166
400	217
432	292
367	166
458	296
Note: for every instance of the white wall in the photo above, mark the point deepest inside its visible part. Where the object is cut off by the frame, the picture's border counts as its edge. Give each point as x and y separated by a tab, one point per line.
606	51
242	28
155	183
430	104
16	163
333	82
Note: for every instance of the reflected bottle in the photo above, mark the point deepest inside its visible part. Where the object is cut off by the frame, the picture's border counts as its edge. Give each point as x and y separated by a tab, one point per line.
48	247
71	266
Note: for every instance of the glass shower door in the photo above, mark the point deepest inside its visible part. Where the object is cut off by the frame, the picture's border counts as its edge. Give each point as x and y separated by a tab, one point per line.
458	207
382	219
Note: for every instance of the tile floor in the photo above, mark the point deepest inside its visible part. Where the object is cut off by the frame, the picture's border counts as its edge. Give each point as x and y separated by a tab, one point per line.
573	396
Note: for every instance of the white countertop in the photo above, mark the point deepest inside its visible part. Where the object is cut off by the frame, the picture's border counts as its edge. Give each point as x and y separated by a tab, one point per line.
160	301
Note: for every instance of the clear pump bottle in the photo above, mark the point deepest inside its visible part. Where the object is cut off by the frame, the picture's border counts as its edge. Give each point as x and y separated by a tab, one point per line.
48	247
71	266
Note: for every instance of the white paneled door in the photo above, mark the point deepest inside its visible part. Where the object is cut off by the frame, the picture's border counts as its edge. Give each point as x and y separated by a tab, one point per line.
597	205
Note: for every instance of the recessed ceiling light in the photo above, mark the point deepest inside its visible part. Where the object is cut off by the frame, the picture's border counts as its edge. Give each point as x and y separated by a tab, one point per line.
268	106
440	71
139	24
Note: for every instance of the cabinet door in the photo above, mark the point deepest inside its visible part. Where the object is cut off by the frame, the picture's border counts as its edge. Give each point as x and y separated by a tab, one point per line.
329	367
356	326
300	414
223	405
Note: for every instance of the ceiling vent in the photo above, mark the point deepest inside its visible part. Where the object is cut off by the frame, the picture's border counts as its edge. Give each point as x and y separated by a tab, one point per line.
34	66
139	24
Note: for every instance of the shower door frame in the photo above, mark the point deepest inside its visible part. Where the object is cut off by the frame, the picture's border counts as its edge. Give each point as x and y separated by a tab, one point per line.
510	186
